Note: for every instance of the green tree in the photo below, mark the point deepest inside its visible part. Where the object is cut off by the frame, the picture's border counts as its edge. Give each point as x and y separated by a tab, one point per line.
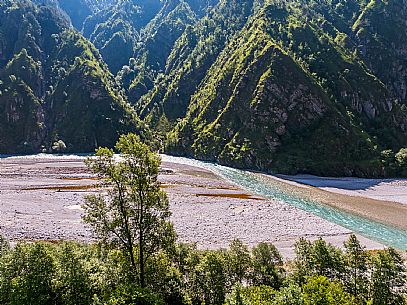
4	245
212	277
27	276
318	258
320	291
130	295
165	279
238	262
267	266
401	157
356	269
388	278
254	295
72	281
289	295
133	212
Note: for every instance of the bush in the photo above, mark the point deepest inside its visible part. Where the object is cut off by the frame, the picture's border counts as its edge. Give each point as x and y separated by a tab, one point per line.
131	295
58	146
254	295
290	295
26	276
4	245
401	159
320	291
388	278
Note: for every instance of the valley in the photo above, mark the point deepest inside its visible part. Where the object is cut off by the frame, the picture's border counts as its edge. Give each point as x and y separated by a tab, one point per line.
273	86
191	152
41	197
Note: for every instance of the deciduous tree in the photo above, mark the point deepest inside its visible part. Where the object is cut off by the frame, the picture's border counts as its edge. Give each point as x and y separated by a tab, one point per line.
133	212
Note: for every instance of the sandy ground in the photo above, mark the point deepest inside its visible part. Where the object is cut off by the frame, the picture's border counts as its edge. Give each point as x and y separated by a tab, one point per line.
382	200
394	190
40	199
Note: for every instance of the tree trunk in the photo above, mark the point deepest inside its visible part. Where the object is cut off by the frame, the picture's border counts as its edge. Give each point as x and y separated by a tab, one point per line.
129	245
141	248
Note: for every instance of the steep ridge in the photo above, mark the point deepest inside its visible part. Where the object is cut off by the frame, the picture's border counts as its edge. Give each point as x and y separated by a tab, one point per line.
79	10
193	54
284	96
115	29
156	42
55	86
380	33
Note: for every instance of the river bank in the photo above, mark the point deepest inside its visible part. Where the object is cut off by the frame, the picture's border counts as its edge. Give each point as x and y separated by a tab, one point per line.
40	198
390	190
383	200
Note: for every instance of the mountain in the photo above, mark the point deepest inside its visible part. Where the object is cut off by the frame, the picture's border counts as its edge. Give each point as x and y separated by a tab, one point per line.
78	10
156	42
310	86
286	94
54	85
380	33
190	59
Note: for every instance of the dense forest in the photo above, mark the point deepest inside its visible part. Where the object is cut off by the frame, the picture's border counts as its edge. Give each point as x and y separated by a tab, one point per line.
311	86
69	273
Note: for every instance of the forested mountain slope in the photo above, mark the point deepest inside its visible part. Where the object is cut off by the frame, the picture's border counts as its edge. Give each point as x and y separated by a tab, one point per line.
54	85
78	10
189	61
316	86
291	93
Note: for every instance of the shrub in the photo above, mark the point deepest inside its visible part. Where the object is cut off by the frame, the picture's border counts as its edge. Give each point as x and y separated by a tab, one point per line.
320	291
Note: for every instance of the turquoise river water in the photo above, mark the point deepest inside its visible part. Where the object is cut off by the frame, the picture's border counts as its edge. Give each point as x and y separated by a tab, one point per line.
267	187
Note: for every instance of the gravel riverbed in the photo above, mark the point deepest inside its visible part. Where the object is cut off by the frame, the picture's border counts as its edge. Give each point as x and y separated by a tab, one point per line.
41	197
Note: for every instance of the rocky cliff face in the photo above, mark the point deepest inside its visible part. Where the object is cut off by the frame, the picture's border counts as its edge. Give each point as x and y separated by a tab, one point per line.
285	95
381	36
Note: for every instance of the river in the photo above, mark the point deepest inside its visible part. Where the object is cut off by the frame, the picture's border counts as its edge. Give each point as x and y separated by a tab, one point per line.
268	187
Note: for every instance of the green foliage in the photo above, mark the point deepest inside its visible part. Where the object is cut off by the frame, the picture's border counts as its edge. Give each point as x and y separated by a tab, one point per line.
356	267
389	278
59	146
289	295
256	295
288	93
130	295
134	213
56	85
320	291
72	279
395	163
68	273
401	158
278	86
318	259
4	245
267	266
27	276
